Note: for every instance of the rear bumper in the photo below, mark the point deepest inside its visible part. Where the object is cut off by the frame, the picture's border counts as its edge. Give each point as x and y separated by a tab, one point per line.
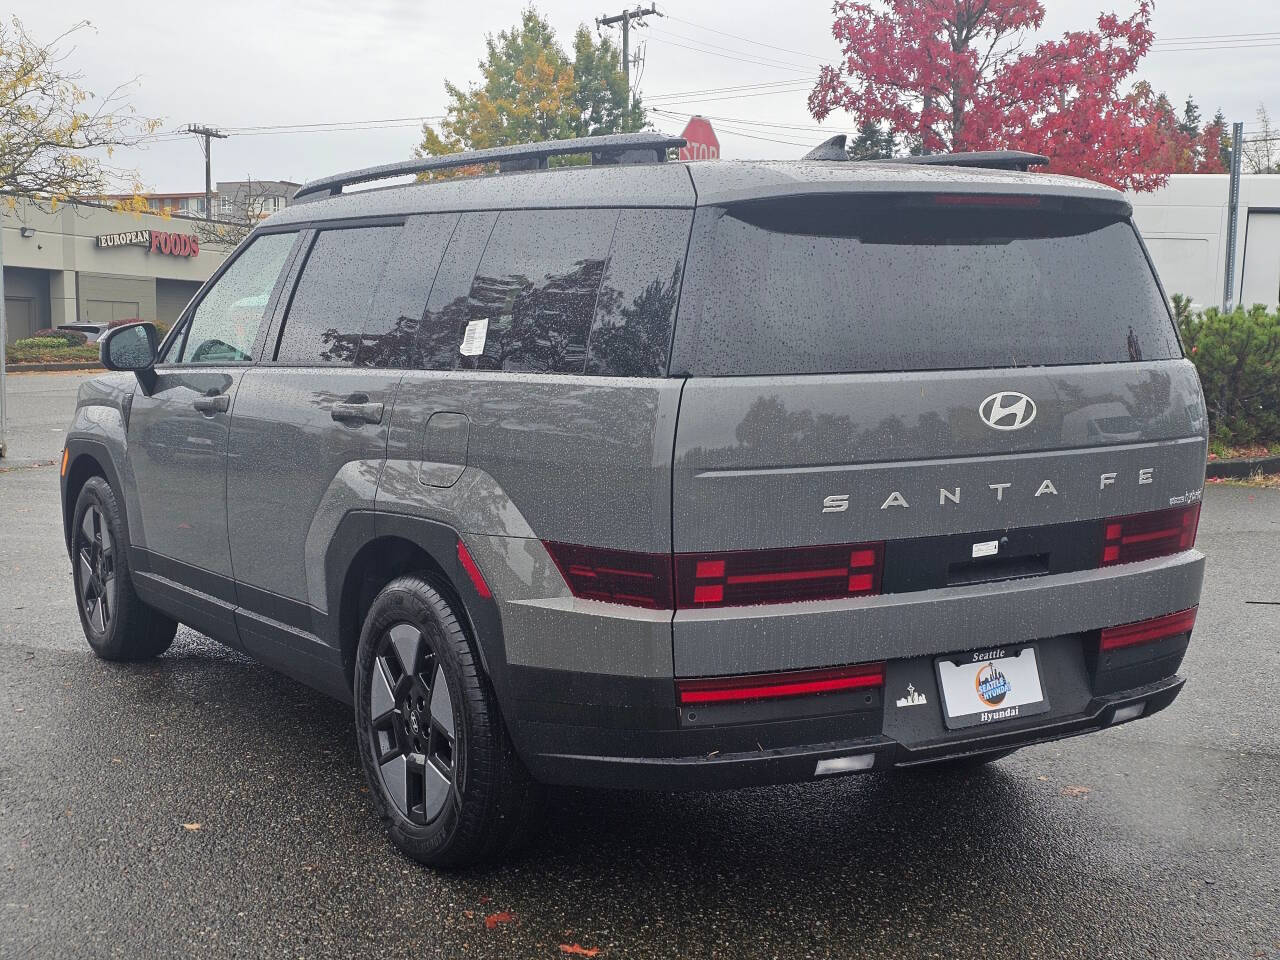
761	766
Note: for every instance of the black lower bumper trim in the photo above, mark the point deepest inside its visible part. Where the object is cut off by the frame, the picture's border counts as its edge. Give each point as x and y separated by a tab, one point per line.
797	764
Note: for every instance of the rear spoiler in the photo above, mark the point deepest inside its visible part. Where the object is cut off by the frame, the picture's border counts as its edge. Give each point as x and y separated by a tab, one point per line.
835	149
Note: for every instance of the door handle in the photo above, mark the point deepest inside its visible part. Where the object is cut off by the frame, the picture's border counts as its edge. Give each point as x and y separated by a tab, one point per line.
357	411
218	403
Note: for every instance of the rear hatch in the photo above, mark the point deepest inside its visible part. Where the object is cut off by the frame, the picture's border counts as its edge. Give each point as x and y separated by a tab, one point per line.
968	383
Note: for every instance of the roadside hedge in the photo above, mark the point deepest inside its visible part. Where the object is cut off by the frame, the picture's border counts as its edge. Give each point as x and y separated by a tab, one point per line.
73	338
1238	357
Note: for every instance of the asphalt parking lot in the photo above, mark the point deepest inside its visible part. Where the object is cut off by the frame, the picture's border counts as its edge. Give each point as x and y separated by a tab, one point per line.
203	806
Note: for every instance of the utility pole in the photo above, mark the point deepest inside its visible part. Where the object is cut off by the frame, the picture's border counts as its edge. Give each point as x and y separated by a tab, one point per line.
208	133
1233	217
625	18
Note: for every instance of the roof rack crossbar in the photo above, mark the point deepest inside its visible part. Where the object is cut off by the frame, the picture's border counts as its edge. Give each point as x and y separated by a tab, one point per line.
609	149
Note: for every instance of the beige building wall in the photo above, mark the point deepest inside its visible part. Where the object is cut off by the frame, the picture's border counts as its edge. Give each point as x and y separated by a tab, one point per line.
81	282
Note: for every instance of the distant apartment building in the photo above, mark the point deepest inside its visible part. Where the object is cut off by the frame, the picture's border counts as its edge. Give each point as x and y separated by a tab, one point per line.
252	199
170	204
237	200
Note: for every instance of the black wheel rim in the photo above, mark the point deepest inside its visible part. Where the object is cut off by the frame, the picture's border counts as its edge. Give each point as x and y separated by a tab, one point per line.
414	729
96	570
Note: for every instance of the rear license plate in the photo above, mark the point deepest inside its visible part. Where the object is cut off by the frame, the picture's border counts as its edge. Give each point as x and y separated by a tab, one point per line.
990	686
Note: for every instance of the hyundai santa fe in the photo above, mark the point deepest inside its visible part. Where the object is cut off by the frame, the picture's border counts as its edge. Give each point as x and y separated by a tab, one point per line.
663	475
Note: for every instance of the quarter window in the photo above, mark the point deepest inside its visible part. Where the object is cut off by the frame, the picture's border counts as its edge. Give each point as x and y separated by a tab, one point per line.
631	336
225	324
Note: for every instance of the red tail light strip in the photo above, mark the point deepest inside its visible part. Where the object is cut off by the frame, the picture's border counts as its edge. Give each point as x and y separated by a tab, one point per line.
615	576
1143	536
745	577
1148	631
772	686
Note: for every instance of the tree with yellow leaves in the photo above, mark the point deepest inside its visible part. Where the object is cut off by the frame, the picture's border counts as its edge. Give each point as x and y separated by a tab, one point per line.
56	138
53	135
532	91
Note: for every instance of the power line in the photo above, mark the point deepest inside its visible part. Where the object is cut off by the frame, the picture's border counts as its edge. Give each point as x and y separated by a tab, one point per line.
716	46
734	36
727	127
726	56
736	96
1206	36
711	90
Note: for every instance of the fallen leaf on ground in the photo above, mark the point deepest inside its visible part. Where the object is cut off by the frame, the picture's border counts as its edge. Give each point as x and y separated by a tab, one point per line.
579	951
1074	791
191	826
493	919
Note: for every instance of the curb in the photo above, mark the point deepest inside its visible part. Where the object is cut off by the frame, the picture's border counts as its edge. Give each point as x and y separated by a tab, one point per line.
52	367
1239	469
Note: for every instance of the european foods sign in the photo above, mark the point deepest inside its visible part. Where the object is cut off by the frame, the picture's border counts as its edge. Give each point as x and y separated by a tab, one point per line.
156	241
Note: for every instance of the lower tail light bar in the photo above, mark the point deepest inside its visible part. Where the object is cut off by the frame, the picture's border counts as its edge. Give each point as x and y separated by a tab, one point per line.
1149	631
1143	536
775	686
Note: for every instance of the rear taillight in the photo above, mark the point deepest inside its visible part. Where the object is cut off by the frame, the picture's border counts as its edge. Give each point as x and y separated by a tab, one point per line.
734	578
1142	536
773	686
745	577
615	576
1148	631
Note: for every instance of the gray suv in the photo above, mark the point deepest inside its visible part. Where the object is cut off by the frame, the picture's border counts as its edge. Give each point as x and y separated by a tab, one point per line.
647	474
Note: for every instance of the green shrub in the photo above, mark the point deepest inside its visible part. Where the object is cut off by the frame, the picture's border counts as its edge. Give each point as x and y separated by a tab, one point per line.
1238	357
49	350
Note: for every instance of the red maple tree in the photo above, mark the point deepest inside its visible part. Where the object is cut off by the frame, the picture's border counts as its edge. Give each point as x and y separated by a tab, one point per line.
953	75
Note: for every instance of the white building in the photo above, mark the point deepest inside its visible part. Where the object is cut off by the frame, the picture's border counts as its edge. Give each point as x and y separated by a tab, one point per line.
1185	226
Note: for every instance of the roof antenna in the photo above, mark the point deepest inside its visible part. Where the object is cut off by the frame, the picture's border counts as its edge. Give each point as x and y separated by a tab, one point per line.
832	149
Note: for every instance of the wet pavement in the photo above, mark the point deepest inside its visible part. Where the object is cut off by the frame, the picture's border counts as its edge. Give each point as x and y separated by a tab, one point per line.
203	806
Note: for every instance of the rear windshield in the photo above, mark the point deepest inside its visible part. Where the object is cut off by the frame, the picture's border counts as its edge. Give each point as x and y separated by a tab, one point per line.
828	287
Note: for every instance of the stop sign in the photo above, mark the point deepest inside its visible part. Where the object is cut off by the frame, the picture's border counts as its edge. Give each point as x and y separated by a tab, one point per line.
702	143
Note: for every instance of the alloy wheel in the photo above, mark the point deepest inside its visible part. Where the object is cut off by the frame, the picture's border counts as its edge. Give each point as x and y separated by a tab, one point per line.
96	569
413	729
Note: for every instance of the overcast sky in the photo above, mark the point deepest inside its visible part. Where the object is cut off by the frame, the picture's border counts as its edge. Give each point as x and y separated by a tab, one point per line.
240	64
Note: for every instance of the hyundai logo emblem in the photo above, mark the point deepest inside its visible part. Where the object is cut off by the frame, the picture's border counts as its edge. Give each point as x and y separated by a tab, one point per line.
1007	410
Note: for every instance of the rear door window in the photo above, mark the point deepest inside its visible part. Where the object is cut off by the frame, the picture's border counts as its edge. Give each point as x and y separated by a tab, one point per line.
534	295
449	306
631	335
334	295
389	337
823	286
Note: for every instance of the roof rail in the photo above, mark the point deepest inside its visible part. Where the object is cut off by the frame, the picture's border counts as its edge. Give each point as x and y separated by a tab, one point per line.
615	148
991	159
835	149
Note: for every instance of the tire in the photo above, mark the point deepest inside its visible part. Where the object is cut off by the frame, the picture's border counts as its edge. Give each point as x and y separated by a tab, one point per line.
117	624
444	777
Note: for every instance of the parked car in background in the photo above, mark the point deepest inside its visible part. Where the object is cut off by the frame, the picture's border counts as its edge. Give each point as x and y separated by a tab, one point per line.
93	331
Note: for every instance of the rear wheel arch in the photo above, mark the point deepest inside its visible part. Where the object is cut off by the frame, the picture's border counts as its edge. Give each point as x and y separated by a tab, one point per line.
371	550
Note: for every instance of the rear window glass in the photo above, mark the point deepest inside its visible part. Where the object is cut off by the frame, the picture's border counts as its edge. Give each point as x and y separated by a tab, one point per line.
829	287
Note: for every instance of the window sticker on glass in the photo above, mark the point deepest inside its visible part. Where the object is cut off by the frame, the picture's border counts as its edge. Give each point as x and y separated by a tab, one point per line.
474	337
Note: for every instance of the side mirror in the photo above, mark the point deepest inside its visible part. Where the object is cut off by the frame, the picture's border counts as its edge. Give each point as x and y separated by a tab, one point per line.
131	347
